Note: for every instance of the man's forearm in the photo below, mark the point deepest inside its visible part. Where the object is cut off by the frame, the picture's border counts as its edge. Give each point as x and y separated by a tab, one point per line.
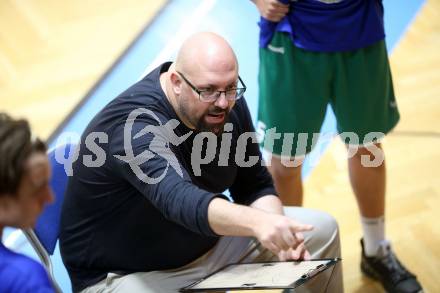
226	218
229	219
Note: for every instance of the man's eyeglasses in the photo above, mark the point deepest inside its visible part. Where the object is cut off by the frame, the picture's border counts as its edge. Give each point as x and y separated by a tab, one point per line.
209	95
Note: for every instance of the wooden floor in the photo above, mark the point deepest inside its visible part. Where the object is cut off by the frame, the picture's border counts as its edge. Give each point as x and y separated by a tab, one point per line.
50	57
53	52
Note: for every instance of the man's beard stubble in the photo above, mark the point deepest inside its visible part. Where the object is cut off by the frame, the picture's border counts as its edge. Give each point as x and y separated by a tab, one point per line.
216	128
201	124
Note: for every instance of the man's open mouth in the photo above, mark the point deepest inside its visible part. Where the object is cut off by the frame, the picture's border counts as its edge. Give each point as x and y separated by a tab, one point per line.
215	117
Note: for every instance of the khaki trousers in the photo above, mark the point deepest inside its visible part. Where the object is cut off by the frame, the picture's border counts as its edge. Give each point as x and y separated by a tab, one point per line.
322	242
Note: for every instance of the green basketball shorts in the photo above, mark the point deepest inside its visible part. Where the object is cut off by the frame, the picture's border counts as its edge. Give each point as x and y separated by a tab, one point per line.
295	87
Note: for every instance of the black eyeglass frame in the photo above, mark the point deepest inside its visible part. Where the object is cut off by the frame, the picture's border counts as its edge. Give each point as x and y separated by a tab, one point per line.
199	92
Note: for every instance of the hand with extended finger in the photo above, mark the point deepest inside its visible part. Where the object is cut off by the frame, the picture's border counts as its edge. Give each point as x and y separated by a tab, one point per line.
282	236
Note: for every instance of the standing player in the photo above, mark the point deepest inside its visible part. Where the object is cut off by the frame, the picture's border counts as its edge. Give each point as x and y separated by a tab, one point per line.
316	52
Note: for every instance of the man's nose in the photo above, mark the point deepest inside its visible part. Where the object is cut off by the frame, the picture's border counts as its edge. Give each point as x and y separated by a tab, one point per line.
222	101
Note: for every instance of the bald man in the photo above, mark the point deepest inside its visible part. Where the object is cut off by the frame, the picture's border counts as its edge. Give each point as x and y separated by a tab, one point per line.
153	217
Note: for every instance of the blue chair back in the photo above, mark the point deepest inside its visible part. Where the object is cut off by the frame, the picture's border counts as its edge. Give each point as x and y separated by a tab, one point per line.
48	224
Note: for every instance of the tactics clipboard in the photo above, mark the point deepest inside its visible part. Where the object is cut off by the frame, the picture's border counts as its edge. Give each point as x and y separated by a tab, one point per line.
262	275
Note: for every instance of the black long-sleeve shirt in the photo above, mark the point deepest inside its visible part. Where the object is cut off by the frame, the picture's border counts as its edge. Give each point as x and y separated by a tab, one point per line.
116	221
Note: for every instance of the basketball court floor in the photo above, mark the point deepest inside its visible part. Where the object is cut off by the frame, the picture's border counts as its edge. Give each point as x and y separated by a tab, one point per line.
62	61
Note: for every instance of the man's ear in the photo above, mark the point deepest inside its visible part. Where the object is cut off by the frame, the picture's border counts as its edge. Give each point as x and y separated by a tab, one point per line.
176	83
